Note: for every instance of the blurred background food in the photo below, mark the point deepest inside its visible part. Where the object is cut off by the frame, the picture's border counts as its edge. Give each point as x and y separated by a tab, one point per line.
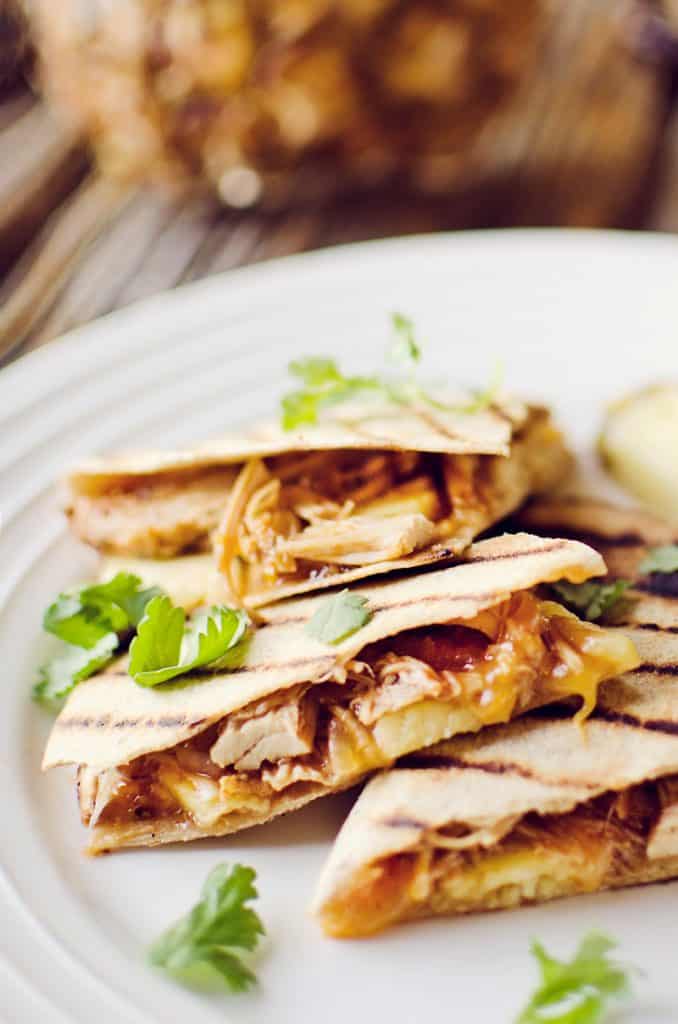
288	101
148	142
639	446
285	100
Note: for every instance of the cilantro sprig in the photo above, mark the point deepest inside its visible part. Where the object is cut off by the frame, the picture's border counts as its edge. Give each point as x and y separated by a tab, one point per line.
98	622
595	600
338	617
578	991
60	675
93	621
591	600
83	615
200	950
405	350
662	559
166	646
323	384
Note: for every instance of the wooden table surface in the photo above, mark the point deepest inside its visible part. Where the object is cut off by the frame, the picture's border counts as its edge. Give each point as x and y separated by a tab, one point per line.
73	248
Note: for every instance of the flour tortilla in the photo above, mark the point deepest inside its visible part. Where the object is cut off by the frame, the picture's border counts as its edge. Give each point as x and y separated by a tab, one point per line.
531	457
374	426
486	784
110	720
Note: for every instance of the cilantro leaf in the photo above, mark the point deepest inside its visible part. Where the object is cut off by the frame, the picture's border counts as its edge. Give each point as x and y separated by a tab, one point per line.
404	351
84	615
125	591
91	620
316	373
200	949
165	647
59	676
662	559
580	989
591	600
338	617
324	384
482	400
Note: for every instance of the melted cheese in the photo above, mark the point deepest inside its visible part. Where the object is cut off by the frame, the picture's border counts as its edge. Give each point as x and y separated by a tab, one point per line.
412	885
520	671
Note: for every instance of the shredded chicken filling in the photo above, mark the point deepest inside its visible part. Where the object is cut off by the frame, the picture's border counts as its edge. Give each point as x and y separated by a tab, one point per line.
404	693
297	516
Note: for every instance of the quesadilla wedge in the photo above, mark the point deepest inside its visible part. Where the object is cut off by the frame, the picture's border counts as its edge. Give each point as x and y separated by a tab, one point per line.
539	808
532	811
371	489
443	652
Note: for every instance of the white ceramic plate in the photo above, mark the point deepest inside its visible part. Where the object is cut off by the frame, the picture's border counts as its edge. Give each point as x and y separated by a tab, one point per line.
578	318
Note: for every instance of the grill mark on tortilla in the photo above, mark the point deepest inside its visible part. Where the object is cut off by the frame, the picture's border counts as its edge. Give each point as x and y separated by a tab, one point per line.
433	424
367	435
662	725
593	538
420	762
659	585
402	821
652	626
104	721
669	669
546	549
556	545
497	410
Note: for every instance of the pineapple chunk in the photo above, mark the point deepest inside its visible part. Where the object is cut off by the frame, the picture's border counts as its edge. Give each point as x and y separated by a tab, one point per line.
199	796
420	725
414	496
638	445
509	877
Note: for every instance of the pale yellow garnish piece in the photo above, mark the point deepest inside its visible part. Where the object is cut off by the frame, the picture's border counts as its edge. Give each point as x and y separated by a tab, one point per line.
639	446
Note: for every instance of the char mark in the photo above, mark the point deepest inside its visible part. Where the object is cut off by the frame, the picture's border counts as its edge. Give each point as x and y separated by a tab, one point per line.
648	626
670	669
661	584
546	549
439	554
650	724
108	721
401	821
595	539
433	424
419	762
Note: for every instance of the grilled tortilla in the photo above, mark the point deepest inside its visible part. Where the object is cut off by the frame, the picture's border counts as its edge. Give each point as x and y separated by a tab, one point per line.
540	808
370	490
532	811
445	652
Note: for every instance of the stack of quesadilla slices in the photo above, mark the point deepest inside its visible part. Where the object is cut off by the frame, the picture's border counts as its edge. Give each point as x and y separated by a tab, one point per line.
463	661
544	807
